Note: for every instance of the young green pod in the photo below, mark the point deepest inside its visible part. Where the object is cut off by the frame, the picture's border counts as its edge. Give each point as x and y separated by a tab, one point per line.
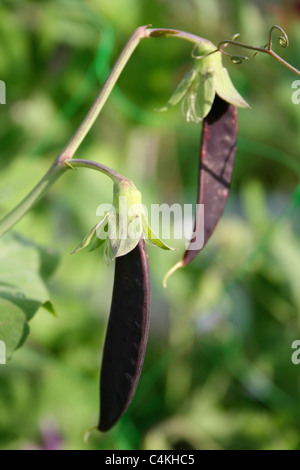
126	336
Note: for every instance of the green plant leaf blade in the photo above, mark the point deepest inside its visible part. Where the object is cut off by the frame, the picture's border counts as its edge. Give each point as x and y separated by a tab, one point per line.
22	289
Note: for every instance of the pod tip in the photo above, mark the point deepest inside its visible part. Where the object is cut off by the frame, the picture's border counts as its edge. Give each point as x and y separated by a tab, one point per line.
174	268
88	433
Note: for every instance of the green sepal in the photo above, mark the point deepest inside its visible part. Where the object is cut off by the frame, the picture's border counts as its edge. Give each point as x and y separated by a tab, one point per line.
207	78
98	242
180	91
121	246
91	235
223	85
227	91
151	235
205	93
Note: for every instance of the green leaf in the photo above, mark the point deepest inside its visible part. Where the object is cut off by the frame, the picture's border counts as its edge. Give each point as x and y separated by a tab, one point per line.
22	288
13	325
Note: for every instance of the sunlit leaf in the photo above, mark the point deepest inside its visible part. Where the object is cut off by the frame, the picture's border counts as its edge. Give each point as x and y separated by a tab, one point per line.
22	288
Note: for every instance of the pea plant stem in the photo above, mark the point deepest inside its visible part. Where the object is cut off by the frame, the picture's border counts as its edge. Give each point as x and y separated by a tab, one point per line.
268	51
283	41
112	174
104	93
62	162
140	33
284	63
52	175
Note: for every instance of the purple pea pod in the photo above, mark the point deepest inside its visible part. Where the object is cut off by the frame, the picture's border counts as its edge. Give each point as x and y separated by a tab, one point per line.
126	336
217	152
218	147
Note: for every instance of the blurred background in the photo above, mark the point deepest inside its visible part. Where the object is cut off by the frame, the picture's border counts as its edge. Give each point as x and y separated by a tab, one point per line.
218	372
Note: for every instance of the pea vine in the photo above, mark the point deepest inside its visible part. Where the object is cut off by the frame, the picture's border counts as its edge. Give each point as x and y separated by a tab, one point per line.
207	95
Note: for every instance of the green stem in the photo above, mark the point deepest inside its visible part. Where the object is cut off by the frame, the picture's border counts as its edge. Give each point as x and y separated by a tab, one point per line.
52	175
87	123
112	174
140	33
163	32
283	62
62	162
268	51
283	41
58	167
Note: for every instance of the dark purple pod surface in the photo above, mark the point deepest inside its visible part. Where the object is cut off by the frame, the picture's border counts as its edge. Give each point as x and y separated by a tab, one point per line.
126	336
218	147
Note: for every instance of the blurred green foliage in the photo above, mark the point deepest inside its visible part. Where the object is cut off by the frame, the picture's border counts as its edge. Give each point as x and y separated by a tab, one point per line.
218	371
